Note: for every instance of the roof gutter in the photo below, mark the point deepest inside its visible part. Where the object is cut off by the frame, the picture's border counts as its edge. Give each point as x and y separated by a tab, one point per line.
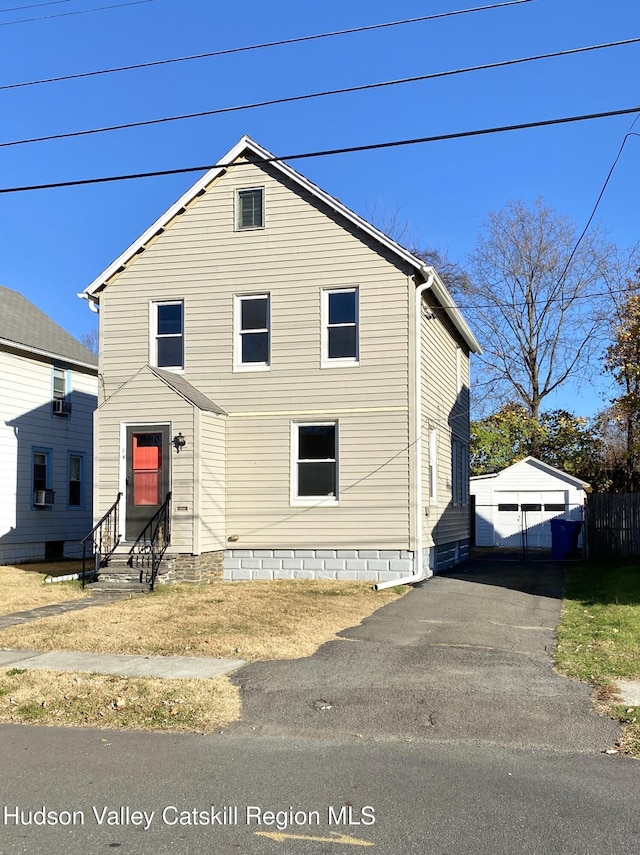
420	572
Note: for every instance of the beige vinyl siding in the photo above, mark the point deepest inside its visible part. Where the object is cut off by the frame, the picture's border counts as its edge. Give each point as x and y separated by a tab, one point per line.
373	463
445	408
301	250
211	488
146	400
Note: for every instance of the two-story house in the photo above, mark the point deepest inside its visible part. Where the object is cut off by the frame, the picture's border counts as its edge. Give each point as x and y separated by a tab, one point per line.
48	392
297	380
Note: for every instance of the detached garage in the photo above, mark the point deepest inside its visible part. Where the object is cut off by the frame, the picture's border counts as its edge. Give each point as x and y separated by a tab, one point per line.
514	508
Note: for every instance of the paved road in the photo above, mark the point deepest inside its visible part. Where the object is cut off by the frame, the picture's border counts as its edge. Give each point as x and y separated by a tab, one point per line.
440	717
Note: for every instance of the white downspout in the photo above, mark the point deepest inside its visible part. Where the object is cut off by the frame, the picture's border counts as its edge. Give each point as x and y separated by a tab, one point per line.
420	572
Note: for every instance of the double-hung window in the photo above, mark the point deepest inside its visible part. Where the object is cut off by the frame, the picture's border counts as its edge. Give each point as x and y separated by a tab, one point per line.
314	463
340	326
250	208
43	495
75	495
433	460
253	336
459	473
168	335
60	391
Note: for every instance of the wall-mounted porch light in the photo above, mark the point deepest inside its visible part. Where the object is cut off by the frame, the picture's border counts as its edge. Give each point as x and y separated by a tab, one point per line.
179	442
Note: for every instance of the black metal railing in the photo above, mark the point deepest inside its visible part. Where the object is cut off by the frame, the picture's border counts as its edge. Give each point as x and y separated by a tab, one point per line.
104	539
146	553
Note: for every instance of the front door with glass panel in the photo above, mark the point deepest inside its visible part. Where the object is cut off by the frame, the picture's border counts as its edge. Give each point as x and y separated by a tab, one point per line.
147	475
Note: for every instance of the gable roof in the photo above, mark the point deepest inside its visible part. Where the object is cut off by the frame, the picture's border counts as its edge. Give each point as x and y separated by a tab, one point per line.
246	146
26	327
538	464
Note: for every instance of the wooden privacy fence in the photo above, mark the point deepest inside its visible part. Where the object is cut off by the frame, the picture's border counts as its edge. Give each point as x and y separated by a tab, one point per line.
613	525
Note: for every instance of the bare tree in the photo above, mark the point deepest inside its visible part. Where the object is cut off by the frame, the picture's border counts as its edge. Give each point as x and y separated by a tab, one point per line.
533	300
90	340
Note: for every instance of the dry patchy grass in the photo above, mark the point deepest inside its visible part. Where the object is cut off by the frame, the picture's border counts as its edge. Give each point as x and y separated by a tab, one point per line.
250	620
23	587
135	703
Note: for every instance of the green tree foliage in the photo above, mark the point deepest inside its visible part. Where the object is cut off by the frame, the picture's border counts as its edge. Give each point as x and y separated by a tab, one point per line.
560	439
622	361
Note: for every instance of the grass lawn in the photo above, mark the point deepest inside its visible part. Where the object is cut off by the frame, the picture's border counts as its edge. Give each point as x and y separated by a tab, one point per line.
599	635
245	620
22	587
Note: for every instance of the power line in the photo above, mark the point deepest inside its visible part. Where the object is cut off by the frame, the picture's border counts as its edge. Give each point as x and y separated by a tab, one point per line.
308	96
33	6
78	12
280	42
328	152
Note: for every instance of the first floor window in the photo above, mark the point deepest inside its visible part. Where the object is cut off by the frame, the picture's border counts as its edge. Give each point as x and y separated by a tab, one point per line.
340	310
75	480
40	470
433	454
253	326
168	334
250	208
315	461
459	473
41	477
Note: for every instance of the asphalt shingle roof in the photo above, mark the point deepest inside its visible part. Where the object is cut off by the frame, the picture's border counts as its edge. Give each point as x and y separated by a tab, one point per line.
27	326
182	386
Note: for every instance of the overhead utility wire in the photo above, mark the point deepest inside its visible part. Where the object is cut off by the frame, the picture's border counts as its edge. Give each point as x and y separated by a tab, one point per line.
308	96
327	152
226	51
33	6
78	12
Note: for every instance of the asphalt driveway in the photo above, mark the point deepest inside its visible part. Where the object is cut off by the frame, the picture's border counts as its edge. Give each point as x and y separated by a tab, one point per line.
462	657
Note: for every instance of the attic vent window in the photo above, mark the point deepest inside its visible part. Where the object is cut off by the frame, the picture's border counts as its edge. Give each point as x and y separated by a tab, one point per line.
250	208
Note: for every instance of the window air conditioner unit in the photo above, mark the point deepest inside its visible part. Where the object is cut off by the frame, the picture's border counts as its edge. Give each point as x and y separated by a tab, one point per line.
43	498
61	407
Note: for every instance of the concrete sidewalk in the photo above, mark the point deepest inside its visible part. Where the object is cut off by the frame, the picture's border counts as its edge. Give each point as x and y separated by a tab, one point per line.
171	667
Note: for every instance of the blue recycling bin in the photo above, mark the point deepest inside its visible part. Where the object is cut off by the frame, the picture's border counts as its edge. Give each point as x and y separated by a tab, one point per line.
564	538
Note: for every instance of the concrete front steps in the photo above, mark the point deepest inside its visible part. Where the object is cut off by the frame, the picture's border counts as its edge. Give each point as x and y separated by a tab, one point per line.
119	577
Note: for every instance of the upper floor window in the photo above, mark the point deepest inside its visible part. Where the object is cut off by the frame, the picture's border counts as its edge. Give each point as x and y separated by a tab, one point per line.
253	335
314	463
60	391
168	334
250	208
340	326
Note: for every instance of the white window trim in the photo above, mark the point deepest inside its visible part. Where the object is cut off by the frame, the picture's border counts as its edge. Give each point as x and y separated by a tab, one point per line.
153	335
350	362
238	364
307	501
433	465
237	209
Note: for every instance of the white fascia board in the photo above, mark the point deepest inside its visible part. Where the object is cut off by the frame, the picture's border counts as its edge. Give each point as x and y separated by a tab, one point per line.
448	303
58	357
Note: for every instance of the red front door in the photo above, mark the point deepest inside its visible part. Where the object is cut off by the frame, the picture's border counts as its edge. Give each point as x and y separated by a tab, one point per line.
147	475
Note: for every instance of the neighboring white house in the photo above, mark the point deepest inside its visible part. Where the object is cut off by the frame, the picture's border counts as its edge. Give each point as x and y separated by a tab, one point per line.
48	392
514	507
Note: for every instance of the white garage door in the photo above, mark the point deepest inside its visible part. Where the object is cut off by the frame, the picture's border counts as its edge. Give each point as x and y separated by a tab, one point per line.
523	518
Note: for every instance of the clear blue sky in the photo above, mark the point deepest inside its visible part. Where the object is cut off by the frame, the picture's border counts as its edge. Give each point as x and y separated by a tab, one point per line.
54	242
